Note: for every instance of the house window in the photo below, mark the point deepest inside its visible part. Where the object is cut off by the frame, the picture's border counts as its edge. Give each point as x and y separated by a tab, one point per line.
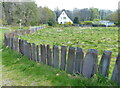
64	22
64	17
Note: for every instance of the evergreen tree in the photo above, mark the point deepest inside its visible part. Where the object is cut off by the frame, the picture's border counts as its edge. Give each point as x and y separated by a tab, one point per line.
76	20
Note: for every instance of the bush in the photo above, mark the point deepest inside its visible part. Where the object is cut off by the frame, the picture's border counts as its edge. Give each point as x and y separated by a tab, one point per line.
67	24
51	22
87	23
76	20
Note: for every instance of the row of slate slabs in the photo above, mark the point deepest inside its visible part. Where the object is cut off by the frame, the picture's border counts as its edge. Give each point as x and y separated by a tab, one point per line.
75	63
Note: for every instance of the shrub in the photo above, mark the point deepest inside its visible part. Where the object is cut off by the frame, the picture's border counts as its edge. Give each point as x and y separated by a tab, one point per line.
67	24
76	20
87	23
51	22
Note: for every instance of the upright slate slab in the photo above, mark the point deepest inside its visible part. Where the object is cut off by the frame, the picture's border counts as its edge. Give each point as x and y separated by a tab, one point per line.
79	60
11	43
14	43
70	61
37	53
43	53
33	51
23	47
26	49
49	56
30	54
20	46
55	56
63	58
38	56
29	50
17	44
5	39
27	31
116	72
105	63
90	63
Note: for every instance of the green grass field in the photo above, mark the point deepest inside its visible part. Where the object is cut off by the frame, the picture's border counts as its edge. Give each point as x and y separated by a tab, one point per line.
17	70
100	38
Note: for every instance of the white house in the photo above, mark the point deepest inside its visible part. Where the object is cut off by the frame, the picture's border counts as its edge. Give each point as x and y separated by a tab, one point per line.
63	18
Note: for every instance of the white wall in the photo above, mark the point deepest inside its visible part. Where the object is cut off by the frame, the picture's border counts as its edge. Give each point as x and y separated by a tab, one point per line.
63	18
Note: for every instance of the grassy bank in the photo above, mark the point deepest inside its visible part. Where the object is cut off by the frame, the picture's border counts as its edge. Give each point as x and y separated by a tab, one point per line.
19	71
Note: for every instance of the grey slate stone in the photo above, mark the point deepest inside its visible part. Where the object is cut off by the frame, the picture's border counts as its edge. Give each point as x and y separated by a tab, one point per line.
90	63
63	58
70	61
105	63
116	72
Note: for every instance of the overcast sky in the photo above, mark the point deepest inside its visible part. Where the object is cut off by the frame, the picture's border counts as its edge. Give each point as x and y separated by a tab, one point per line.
70	4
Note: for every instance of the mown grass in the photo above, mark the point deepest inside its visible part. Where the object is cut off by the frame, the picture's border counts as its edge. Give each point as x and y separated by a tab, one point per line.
17	70
100	38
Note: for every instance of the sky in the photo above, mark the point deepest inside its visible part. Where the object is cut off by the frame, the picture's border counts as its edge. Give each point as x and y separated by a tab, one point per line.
71	4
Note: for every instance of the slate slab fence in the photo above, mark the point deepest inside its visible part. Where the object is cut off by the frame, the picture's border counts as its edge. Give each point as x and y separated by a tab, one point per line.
72	60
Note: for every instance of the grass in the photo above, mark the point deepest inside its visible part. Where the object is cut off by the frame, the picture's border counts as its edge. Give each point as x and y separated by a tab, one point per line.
17	70
100	38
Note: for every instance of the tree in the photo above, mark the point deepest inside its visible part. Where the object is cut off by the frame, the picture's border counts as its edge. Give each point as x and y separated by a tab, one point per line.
113	16
76	20
57	12
104	13
14	11
94	14
45	14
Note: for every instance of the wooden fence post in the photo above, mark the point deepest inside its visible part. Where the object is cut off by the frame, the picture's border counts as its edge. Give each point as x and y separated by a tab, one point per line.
105	63
43	54
49	56
55	56
90	63
63	58
70	61
116	72
79	60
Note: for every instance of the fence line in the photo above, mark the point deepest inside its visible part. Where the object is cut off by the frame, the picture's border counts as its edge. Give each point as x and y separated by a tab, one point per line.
72	60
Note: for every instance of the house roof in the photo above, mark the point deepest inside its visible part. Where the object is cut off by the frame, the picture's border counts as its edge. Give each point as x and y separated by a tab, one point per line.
66	14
